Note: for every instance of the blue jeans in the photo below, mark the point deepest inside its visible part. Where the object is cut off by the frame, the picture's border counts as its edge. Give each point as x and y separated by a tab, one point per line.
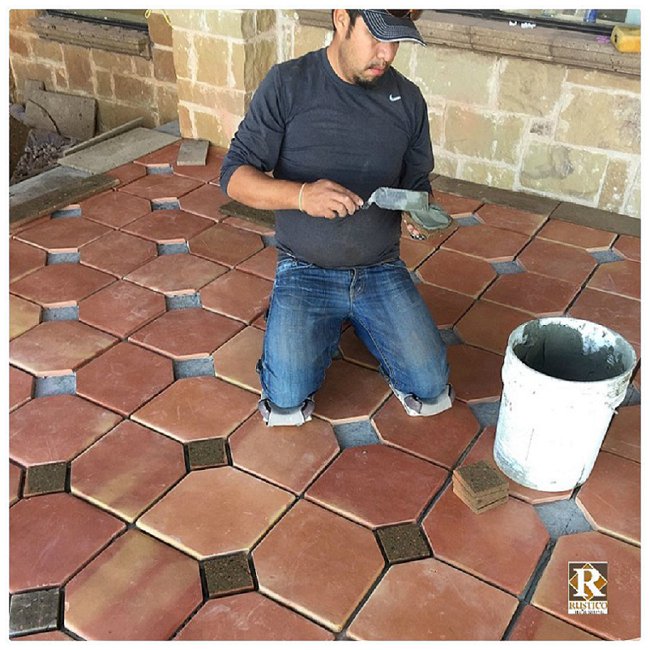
309	304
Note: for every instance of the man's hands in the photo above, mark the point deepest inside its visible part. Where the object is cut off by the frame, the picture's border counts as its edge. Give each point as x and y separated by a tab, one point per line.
328	199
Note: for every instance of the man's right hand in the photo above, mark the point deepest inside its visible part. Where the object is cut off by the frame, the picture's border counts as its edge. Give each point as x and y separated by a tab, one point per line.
328	199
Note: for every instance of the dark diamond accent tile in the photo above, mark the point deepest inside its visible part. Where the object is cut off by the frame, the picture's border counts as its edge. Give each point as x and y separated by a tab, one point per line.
403	542
172	249
45	479
159	170
187	301
61	313
269	240
57	385
206	453
157	204
562	518
606	256
487	413
66	212
63	258
507	268
449	337
632	396
34	611
193	368
356	434
227	574
415	277
468	221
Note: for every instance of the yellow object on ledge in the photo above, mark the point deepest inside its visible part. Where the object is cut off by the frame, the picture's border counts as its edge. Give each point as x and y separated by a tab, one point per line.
626	39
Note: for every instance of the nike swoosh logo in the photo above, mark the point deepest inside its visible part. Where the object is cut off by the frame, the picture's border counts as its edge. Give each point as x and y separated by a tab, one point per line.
394	99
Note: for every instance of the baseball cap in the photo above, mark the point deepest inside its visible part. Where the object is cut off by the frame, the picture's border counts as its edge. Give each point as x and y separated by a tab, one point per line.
391	25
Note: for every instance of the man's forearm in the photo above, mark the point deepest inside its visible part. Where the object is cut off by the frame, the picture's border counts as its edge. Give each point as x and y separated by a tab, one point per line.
256	189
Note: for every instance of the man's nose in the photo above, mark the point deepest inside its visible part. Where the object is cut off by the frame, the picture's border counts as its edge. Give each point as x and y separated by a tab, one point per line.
387	51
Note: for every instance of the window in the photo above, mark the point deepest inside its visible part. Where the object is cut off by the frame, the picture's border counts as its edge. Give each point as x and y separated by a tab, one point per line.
133	18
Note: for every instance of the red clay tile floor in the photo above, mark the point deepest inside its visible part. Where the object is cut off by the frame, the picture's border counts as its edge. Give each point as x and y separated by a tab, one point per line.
149	501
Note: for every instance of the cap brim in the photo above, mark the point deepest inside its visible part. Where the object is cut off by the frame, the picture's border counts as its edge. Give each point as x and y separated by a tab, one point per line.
387	28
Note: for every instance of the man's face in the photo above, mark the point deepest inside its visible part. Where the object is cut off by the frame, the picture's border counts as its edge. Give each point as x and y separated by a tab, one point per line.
362	58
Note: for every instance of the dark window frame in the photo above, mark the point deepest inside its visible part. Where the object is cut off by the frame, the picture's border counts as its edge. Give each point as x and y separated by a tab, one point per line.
112	17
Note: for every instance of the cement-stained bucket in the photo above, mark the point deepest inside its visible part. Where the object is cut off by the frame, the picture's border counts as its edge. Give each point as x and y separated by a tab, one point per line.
562	381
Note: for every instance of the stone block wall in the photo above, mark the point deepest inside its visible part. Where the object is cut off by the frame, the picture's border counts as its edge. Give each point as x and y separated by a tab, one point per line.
125	86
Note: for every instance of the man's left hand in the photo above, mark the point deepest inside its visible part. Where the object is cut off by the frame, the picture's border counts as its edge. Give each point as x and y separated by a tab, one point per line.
413	232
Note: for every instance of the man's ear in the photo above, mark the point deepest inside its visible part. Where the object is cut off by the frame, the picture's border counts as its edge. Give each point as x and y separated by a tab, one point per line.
341	20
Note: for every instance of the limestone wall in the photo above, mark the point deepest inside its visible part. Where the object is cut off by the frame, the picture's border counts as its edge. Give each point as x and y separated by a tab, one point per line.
125	86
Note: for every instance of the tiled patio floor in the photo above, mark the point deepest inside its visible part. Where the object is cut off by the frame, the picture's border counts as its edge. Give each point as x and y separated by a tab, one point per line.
148	500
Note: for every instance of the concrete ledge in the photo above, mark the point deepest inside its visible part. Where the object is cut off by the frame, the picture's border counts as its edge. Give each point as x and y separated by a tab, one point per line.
492	36
87	34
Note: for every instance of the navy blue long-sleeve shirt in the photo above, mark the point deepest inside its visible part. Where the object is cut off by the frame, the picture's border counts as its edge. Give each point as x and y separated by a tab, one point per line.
305	124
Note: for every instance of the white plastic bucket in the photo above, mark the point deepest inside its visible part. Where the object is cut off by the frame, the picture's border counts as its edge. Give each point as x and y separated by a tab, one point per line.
562	380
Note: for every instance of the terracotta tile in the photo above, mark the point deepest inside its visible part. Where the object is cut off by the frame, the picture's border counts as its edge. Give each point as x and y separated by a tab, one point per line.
318	563
262	263
446	307
114	209
20	387
121	308
236	360
557	261
350	393
197	408
127	470
137	589
536	294
488	325
414	252
226	245
64	235
186	333
260	323
216	511
624	435
611	497
168	226
52	536
456	206
250	617
24	259
629	247
623	589
55	635
623	278
475	374
15	476
18	227
205	201
56	429
164	156
636	378
486	242
483	449
502	216
251	226
118	253
57	347
441	439
290	457
208	172
429	600
160	187
482	544
535	625
377	485
564	232
125	377
238	295
60	285
621	314
457	272
23	315
127	173
176	274
354	350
